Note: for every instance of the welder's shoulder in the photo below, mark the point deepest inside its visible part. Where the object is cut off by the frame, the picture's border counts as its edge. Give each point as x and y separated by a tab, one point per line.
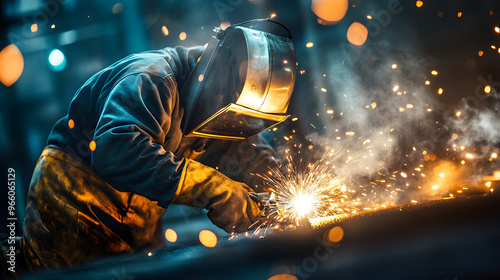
168	63
155	63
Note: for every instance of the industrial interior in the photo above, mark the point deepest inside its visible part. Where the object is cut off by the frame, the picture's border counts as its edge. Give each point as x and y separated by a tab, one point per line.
384	134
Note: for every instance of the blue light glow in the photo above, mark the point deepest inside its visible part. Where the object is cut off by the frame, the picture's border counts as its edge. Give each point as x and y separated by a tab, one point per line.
57	60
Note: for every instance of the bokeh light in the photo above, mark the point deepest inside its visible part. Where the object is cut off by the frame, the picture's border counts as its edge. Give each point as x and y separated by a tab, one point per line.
71	123
164	30
330	11
92	146
283	277
336	234
171	235
225	24
57	60
357	34
11	65
208	238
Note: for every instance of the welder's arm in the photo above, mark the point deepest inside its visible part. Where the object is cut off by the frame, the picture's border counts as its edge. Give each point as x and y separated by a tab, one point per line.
129	155
242	160
228	202
129	136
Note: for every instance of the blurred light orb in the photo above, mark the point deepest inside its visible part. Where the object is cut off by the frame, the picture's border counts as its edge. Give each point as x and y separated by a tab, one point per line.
171	235
208	238
357	34
57	60
92	145
336	234
330	11
117	8
225	24
11	65
164	30
283	277
182	36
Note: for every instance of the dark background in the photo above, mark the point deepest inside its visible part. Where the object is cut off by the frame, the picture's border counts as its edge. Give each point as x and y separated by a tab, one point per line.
93	34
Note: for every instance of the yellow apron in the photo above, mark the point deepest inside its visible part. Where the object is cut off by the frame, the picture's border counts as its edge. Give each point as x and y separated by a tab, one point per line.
73	216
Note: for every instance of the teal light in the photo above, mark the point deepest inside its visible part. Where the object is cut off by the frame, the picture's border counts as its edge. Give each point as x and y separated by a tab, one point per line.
57	60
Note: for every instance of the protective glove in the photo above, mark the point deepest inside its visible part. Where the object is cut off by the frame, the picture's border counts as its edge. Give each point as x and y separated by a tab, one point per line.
228	202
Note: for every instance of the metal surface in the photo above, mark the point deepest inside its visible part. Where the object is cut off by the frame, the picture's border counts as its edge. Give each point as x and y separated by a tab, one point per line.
447	239
242	66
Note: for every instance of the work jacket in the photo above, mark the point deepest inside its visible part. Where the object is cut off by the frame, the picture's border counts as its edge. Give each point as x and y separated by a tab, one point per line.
113	164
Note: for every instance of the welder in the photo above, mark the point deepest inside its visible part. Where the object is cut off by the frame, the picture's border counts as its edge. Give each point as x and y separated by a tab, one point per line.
177	125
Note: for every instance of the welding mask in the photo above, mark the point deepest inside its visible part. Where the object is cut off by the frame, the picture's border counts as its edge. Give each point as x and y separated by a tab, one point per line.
242	83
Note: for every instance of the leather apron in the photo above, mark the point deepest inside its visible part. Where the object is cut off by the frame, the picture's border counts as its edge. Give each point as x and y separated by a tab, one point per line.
73	216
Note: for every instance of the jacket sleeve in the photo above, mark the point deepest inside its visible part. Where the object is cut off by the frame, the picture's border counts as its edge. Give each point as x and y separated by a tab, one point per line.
242	160
130	135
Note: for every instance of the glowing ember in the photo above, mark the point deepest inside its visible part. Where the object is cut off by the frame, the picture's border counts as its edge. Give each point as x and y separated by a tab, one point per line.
419	3
497	29
440	91
394	66
469	156
435	187
458	113
487	89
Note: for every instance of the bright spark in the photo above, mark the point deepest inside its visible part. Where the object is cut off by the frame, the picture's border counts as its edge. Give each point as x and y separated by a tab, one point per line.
308	193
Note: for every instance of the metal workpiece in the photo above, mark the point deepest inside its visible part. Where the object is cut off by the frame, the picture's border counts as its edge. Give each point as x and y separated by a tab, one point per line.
444	239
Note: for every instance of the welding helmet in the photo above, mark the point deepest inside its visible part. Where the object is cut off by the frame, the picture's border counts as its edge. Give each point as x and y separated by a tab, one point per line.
242	83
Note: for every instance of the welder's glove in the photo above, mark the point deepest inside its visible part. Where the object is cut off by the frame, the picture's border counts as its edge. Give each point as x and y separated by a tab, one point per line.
228	202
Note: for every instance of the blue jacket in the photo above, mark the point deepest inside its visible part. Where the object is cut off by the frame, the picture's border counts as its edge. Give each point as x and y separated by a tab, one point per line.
125	122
